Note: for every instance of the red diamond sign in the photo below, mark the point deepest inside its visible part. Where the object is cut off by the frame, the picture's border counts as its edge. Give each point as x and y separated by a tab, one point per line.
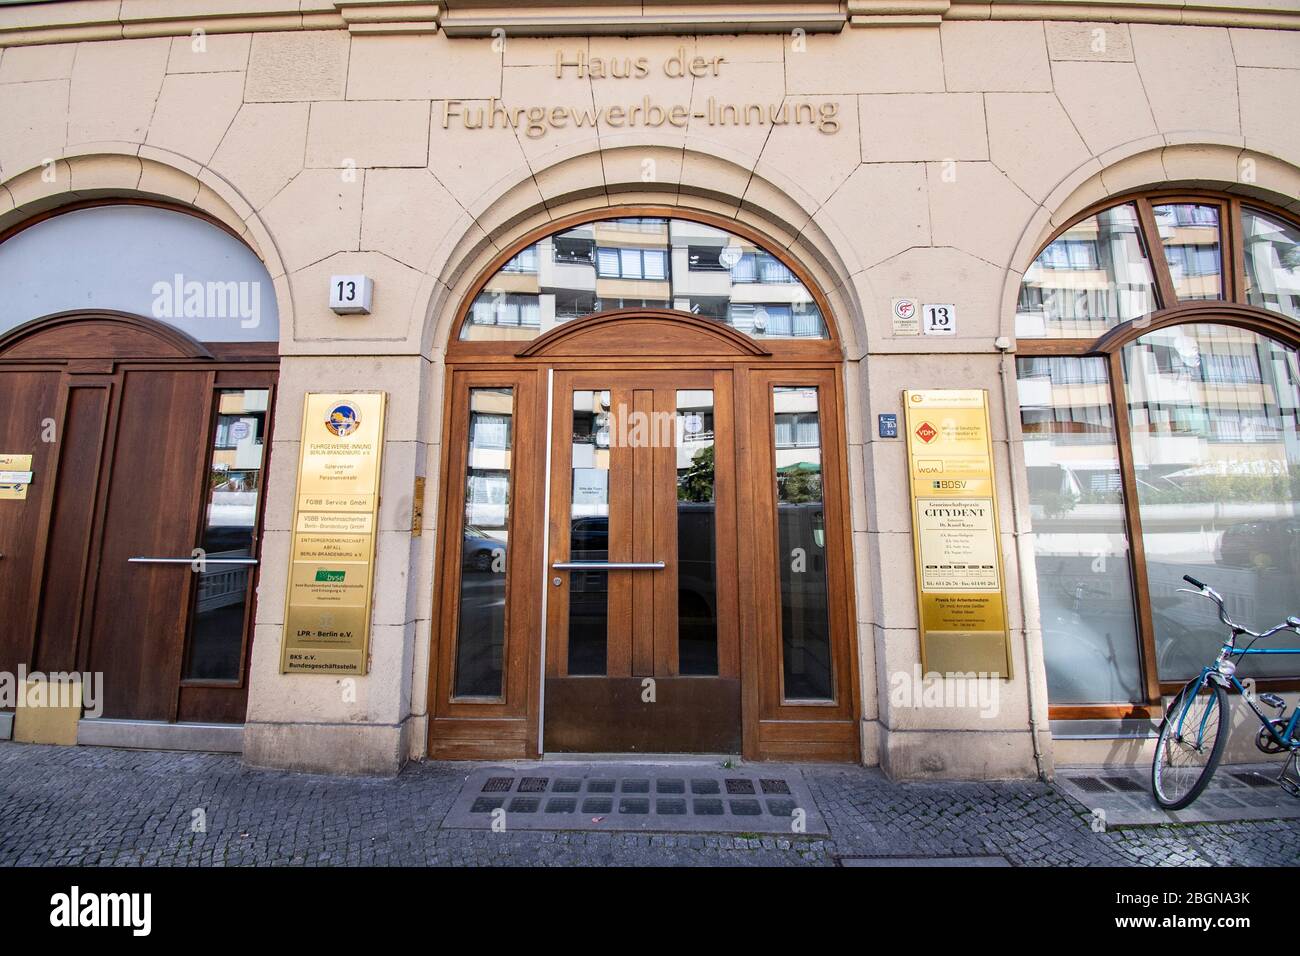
926	432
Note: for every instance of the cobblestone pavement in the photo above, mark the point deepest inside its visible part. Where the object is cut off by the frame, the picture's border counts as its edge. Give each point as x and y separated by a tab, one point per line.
115	807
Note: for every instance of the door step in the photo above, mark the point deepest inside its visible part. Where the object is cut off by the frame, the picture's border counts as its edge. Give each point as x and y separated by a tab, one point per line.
6	726
706	760
160	735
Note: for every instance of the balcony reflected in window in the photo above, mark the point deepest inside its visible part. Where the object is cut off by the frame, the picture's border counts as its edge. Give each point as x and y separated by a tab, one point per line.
1272	259
644	262
1092	277
1189	233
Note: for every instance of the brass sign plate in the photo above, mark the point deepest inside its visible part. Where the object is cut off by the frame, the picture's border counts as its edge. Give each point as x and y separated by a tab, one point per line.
331	572
417	507
959	583
15	477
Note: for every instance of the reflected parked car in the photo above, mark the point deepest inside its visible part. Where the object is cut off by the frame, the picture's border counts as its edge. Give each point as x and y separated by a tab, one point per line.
1272	545
589	541
479	547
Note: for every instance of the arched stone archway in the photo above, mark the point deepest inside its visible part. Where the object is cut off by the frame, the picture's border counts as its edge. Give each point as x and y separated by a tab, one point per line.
171	179
536	670
710	184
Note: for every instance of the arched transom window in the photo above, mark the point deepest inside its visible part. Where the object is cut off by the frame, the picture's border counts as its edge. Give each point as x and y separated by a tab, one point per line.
1160	408
646	262
1146	254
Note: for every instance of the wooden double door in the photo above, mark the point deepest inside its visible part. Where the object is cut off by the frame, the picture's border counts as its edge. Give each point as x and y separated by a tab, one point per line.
642	629
134	553
644	546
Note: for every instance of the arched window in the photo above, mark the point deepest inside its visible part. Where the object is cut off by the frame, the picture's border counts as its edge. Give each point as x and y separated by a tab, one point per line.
1160	408
650	262
179	268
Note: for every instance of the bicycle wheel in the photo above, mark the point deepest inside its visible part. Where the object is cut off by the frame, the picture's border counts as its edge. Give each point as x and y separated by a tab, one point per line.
1190	743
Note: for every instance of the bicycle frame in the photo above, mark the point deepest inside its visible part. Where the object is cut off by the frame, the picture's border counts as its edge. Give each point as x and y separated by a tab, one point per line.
1224	670
1216	675
1220	677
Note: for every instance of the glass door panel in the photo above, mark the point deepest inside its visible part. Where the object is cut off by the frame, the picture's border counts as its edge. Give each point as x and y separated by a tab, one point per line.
485	534
806	671
227	564
589	531
697	617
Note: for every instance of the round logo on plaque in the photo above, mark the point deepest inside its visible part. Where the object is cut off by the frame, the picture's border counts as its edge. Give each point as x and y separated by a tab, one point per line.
343	420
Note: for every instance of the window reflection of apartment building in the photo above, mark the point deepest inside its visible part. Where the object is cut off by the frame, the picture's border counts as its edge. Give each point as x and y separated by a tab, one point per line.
1272	257
651	263
1094	275
1199	412
487	492
798	430
695	432
727	279
1190	236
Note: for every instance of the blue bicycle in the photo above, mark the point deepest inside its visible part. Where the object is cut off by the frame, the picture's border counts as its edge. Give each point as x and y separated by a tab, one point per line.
1195	728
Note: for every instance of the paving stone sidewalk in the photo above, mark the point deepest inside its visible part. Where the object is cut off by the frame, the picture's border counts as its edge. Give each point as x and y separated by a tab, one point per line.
91	806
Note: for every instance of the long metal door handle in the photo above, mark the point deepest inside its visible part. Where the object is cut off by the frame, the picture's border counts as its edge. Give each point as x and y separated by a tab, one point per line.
243	562
608	566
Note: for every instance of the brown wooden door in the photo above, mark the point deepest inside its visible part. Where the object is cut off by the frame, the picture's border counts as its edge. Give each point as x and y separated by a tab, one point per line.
642	648
134	460
151	510
29	400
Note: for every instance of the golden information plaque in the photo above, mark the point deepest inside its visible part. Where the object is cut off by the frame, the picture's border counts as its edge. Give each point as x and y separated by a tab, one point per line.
331	571
960	597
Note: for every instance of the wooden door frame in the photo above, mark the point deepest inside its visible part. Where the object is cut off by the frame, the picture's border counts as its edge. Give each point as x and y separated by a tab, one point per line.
667	340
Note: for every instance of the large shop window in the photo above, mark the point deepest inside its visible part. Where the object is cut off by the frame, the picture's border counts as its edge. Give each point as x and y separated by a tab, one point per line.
1160	451
1212	411
1090	636
644	262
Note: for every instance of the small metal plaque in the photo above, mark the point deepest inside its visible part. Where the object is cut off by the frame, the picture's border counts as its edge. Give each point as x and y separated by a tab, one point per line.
15	477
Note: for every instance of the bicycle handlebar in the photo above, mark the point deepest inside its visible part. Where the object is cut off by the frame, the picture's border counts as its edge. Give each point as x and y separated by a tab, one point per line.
1204	590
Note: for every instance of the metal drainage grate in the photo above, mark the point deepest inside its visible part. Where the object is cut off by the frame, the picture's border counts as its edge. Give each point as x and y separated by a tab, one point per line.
916	861
1125	784
1254	779
593	797
1090	784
